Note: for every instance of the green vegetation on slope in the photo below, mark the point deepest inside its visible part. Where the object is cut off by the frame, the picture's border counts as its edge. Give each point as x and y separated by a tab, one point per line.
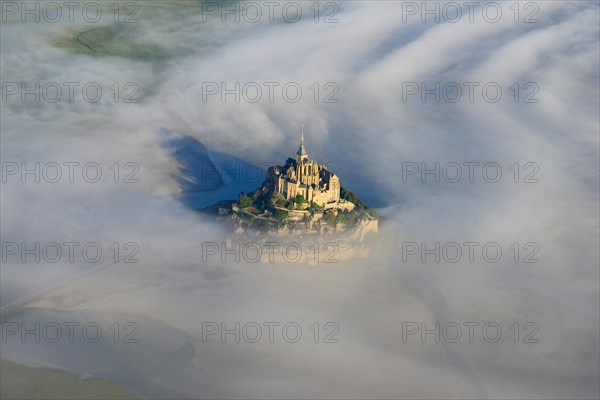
110	40
348	195
22	382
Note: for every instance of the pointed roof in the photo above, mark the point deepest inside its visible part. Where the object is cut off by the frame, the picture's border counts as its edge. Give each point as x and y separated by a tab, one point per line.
301	150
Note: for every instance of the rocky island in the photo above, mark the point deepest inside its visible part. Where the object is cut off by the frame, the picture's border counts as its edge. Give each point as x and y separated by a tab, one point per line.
305	201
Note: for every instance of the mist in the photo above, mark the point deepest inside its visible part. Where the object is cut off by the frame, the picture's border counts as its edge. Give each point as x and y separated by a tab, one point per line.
375	134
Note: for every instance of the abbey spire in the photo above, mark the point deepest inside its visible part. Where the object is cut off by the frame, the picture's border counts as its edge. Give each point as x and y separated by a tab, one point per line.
301	154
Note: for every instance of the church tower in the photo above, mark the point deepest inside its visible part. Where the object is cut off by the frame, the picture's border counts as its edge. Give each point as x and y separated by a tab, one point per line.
301	154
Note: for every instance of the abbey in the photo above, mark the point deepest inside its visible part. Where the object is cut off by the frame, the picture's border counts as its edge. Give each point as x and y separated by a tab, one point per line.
300	198
302	176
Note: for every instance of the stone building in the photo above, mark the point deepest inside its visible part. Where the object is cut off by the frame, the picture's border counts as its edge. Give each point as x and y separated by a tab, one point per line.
302	176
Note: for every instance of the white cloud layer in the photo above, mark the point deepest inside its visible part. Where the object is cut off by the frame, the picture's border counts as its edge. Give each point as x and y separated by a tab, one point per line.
368	134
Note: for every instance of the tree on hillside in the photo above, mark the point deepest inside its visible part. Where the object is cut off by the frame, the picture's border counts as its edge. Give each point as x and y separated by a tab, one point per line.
281	215
330	218
245	201
348	195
